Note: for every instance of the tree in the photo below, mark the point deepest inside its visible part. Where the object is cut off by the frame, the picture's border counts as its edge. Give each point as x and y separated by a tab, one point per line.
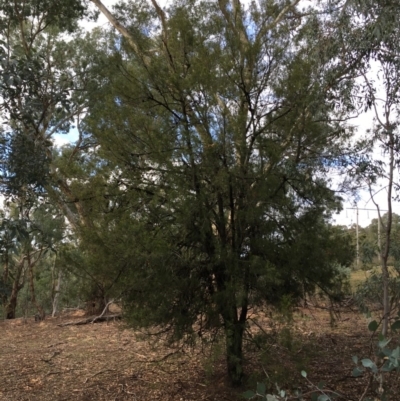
89	186
40	91
43	86
26	235
379	20
220	121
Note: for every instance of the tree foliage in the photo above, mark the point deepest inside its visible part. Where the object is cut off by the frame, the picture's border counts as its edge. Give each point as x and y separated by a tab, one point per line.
199	186
219	121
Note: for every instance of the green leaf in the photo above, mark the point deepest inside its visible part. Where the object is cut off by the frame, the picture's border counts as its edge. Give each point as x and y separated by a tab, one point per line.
249	394
396	325
396	353
261	388
357	372
373	325
355	359
367	363
387	367
323	397
383	343
314	396
271	398
304	373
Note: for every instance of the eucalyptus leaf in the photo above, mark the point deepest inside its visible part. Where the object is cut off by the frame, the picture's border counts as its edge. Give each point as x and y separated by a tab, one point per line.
373	326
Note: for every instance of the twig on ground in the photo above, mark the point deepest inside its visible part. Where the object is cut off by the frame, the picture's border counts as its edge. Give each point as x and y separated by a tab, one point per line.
98	373
366	388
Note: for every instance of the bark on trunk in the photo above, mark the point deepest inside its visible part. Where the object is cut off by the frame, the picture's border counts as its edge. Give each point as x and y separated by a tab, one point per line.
11	305
234	352
57	293
95	306
384	253
32	287
234	330
386	303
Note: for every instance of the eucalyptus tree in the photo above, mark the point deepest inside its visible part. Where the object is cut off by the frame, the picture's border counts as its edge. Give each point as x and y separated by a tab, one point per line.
26	236
380	92
221	121
46	80
43	81
372	239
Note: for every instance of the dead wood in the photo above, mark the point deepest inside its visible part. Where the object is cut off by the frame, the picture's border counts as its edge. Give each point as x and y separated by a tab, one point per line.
96	319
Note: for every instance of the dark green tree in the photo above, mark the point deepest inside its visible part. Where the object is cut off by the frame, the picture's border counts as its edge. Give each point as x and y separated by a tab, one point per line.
93	200
220	121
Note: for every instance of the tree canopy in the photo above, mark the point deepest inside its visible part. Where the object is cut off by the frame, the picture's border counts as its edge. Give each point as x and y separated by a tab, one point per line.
220	122
199	187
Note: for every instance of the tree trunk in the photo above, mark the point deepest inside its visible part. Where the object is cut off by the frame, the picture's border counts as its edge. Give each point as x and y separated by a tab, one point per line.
234	323
32	287
386	302
57	293
11	305
234	352
388	229
234	330
95	306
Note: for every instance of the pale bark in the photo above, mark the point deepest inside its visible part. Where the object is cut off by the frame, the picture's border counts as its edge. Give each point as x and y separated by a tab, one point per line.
120	28
57	293
385	251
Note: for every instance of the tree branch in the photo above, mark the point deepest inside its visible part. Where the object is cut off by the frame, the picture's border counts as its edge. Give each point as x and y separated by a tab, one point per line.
121	29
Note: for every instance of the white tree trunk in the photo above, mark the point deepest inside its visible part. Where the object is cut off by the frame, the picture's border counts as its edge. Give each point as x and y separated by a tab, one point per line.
57	293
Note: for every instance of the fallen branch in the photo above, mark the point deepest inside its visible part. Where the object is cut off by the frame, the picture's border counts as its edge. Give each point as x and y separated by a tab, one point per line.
96	319
104	311
67	310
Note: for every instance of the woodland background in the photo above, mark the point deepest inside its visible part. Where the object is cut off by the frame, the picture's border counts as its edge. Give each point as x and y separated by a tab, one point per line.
215	142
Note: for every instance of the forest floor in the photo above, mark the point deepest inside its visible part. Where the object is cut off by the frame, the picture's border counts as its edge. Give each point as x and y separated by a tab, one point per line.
106	361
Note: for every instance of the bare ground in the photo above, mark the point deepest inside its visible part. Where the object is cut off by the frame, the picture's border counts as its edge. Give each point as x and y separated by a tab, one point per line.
107	361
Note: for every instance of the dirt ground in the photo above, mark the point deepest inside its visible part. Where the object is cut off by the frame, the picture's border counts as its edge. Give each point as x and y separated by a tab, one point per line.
106	361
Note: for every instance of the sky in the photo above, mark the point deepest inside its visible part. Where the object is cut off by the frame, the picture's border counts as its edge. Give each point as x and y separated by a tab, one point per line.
349	214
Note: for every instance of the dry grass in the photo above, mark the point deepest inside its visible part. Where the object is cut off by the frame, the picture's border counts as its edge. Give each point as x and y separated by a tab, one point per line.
358	276
41	361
